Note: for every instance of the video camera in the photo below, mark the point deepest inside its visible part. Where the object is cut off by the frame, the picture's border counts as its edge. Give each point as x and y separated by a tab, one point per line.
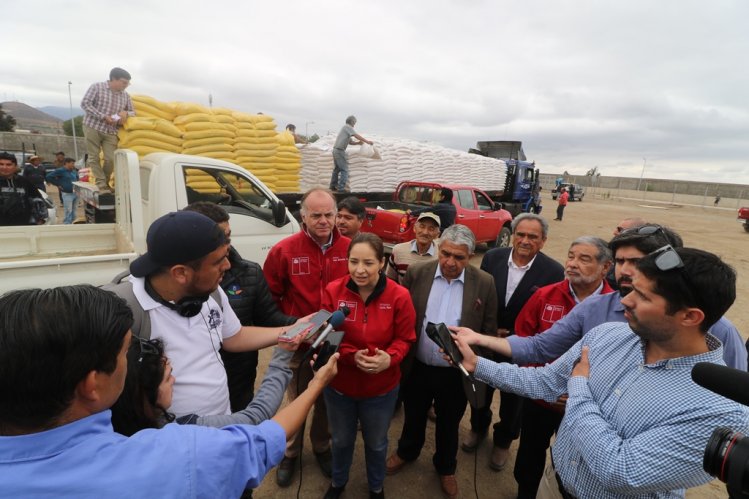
727	452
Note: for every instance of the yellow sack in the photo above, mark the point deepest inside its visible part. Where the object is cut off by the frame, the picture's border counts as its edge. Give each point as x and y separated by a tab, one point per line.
188	108
267	161
253	146
287	177
212	148
286	167
222	118
143	150
287	155
262	118
145	99
226	156
138	123
161	146
265	125
204	134
222	111
187	144
286	139
244	124
141	108
261	171
130	137
254	153
247	118
184	119
205	125
168	128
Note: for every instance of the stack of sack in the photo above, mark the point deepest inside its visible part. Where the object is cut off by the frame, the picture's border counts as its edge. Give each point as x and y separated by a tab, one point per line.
395	160
248	140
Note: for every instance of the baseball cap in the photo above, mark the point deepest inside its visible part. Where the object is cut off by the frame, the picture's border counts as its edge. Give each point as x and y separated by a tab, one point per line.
430	216
177	237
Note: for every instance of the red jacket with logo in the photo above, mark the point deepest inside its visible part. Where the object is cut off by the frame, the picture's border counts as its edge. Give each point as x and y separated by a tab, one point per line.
297	271
386	321
546	306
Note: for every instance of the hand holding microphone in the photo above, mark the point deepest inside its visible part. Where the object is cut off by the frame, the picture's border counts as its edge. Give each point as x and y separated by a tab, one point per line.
335	320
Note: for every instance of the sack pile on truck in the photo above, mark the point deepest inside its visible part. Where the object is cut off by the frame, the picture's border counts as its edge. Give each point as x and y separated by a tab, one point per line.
394	160
248	140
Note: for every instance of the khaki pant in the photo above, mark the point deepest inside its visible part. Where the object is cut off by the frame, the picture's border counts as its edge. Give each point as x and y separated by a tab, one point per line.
549	488
319	433
97	141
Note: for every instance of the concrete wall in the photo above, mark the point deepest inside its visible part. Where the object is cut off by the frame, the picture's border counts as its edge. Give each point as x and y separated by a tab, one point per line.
46	145
657	190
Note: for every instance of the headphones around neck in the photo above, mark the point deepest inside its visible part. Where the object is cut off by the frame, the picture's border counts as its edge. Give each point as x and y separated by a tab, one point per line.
189	306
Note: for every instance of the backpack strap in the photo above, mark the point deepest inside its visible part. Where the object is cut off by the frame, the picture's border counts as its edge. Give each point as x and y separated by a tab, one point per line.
124	289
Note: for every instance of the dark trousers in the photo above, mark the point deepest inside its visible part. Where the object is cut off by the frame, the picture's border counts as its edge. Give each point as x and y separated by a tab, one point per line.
539	423
444	386
241	371
508	427
560	210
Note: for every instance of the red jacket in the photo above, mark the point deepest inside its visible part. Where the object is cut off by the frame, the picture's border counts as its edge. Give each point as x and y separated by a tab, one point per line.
546	306
563	197
387	321
297	271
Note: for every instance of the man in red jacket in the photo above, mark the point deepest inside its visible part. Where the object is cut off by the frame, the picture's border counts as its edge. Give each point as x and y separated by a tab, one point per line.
588	261
562	200
297	269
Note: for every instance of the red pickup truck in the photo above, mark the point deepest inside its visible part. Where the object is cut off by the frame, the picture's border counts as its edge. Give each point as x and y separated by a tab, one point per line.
744	217
391	221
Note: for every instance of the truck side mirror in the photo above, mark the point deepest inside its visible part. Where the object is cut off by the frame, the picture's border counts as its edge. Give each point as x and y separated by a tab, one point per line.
279	213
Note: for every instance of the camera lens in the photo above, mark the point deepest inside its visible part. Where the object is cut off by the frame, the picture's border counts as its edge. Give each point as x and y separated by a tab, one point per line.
717	451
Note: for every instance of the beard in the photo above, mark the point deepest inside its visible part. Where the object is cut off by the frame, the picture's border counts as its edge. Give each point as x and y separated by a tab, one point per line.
625	285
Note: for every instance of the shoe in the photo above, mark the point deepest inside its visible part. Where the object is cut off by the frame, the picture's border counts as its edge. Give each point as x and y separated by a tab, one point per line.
333	492
377	495
431	414
285	471
499	458
394	464
324	459
472	442
449	486
558	219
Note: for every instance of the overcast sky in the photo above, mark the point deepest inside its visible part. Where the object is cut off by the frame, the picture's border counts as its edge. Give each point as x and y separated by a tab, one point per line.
580	83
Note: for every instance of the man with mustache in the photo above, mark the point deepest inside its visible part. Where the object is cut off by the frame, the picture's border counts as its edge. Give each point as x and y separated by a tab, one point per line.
628	248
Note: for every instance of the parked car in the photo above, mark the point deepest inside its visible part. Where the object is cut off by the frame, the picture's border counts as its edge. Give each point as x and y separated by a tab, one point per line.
576	191
743	217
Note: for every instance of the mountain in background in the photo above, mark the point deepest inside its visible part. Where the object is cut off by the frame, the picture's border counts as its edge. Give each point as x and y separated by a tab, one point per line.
61	112
29	118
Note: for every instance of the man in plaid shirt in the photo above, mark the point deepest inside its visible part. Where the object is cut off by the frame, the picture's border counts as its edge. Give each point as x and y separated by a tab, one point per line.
107	106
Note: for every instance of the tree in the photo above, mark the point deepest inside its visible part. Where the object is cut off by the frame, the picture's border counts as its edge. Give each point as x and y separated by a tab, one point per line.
7	122
78	126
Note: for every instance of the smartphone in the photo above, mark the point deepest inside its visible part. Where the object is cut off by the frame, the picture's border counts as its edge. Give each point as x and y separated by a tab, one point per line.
327	349
309	328
439	334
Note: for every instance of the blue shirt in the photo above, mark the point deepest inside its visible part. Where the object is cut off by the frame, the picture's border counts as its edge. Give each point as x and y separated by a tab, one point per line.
444	304
87	459
596	310
63	178
631	428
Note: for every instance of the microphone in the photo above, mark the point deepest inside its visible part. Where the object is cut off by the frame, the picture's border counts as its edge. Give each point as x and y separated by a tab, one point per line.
726	381
335	320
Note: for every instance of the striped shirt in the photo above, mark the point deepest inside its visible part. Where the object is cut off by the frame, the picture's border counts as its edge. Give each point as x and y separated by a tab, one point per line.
101	101
403	255
631	429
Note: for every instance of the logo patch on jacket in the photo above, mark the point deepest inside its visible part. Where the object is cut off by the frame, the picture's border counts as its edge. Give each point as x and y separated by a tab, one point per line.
385	306
300	265
234	290
352	306
552	313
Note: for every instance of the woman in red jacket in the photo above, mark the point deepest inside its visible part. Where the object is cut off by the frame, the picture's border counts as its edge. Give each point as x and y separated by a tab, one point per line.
379	332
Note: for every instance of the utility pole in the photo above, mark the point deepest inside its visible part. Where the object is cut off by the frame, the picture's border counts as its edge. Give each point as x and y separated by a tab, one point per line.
72	121
644	161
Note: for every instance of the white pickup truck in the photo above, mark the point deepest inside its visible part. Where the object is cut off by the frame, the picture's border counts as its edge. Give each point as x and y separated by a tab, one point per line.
55	255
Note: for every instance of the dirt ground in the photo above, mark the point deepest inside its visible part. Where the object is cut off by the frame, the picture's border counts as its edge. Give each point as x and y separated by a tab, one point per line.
712	229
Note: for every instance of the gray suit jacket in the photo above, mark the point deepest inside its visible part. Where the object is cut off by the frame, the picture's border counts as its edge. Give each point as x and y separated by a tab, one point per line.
479	309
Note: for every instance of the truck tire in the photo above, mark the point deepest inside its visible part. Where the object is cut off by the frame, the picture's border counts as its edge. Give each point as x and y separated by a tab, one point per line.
746	226
503	238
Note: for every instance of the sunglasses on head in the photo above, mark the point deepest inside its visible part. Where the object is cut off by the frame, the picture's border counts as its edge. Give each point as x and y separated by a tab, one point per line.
643	230
666	258
147	347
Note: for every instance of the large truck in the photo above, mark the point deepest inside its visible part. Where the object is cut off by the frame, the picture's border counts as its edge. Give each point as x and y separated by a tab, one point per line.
146	188
522	187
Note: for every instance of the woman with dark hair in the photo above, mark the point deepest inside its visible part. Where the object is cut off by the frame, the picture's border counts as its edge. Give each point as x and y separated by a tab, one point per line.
147	394
379	331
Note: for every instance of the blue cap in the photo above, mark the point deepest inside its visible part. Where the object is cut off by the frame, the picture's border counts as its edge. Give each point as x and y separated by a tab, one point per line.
177	238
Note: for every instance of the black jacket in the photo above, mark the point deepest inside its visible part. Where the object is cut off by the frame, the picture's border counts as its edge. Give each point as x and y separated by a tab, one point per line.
251	299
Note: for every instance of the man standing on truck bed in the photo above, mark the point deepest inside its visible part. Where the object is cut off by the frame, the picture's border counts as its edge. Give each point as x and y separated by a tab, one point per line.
340	159
107	106
297	269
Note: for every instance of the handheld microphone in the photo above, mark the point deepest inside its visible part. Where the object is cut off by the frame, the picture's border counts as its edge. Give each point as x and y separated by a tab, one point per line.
726	381
335	320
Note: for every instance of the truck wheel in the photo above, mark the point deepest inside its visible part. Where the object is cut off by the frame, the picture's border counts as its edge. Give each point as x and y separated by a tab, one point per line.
503	238
746	226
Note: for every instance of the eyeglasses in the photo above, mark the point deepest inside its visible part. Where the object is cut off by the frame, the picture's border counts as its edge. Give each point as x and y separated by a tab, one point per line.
667	258
643	230
147	347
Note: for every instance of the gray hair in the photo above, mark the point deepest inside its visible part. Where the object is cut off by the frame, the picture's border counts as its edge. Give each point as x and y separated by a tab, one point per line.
531	216
459	234
303	202
604	252
351	120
